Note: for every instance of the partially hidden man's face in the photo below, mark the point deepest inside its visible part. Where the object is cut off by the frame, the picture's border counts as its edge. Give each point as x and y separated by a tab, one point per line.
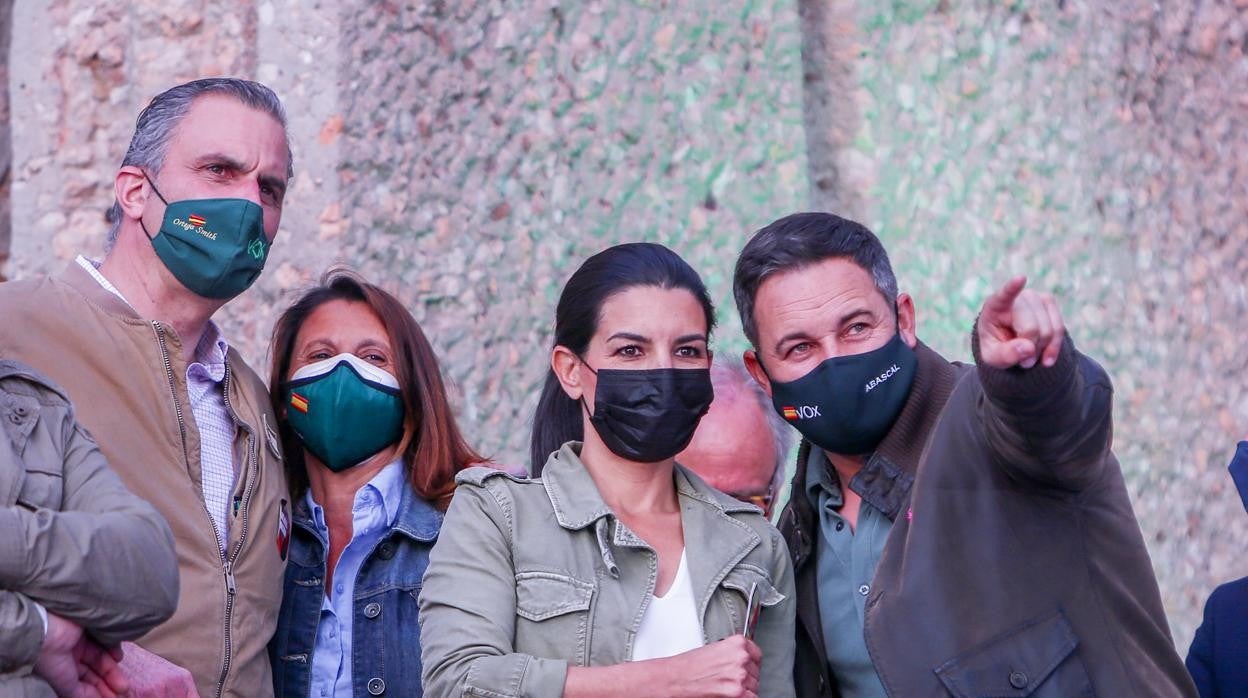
733	448
823	310
224	149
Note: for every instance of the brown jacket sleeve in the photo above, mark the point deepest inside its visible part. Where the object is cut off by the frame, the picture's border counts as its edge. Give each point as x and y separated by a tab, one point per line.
100	556
1052	426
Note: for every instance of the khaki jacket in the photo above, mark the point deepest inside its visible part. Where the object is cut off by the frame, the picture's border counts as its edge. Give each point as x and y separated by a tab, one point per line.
127	379
72	538
530	577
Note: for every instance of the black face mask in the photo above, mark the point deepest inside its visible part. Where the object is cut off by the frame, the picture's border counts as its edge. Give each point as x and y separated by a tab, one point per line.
847	404
649	415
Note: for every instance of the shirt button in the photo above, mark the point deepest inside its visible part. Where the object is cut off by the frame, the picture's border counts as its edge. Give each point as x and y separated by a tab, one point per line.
338	588
1018	679
372	610
864	589
376	686
840	525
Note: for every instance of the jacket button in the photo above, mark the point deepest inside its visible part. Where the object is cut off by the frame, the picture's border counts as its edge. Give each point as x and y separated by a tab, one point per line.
376	686
1018	679
386	551
372	610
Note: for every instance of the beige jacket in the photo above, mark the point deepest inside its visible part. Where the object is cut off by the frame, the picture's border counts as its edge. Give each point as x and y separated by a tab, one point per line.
72	538
127	379
530	577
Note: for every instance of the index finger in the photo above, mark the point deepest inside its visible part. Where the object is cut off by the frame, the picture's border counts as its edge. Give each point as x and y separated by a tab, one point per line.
1002	301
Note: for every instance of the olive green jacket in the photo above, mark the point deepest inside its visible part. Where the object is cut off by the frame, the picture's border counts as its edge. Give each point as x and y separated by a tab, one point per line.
72	538
530	577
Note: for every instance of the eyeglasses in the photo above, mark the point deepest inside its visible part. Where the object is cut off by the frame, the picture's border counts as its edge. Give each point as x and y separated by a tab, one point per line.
762	501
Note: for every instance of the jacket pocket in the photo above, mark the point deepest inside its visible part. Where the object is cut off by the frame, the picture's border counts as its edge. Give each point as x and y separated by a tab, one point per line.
741	579
1035	659
553	616
543	595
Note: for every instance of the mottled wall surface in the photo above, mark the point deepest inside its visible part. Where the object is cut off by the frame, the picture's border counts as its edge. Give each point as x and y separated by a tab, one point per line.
80	71
1100	150
489	148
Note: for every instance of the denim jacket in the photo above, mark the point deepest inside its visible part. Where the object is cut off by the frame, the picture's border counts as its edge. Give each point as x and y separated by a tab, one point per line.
385	647
530	577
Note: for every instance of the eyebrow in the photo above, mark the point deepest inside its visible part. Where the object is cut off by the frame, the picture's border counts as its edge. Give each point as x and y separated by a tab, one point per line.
633	337
630	336
278	184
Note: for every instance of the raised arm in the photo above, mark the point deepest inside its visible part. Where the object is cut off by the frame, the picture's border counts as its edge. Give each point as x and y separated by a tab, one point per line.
1047	409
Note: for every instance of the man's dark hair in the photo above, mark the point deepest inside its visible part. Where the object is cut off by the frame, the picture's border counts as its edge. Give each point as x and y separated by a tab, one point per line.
799	240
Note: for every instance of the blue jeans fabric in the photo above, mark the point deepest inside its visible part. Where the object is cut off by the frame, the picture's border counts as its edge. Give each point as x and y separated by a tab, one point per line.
385	652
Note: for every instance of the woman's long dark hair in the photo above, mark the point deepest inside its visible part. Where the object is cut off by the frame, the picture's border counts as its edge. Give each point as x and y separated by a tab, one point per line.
615	269
432	448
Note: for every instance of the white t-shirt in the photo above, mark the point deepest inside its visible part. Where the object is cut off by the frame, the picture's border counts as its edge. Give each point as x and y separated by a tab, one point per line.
670	624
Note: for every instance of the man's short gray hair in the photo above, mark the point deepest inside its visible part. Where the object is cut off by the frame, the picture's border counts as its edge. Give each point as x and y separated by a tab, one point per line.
157	121
730	374
799	240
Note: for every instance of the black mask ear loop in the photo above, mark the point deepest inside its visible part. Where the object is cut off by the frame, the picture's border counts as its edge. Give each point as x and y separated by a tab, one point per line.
150	237
581	399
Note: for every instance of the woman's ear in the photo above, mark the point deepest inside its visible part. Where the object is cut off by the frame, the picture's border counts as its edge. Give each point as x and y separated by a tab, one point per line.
567	368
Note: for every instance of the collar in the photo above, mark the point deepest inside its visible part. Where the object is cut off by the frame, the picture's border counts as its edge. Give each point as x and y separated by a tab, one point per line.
821	476
406	511
885	479
92	267
76	276
212	349
577	502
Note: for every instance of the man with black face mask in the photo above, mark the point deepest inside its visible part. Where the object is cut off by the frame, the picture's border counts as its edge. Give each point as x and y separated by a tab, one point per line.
955	530
176	411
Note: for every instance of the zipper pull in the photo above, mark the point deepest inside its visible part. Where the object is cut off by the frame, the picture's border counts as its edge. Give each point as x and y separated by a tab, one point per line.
229	579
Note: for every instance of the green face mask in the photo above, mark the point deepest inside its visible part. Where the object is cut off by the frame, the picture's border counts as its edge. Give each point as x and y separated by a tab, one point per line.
344	410
214	247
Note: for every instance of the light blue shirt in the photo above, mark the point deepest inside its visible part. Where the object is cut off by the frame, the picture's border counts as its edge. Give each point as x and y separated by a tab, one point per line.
847	560
372	515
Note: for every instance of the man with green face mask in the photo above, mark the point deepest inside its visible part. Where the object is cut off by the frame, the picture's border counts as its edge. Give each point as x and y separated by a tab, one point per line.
955	530
184	421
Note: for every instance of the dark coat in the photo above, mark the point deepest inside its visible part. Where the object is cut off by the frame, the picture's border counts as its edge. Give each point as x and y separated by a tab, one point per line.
1015	565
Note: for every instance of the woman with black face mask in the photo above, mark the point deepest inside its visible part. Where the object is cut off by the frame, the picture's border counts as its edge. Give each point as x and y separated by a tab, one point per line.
613	571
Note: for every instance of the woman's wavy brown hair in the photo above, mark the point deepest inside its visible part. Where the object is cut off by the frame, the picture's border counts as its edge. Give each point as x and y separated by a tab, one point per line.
432	447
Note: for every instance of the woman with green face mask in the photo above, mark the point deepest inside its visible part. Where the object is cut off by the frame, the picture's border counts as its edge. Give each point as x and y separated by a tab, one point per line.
613	571
371	454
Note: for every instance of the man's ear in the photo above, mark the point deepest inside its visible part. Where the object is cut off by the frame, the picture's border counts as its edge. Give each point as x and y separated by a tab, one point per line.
567	367
129	186
906	323
755	367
